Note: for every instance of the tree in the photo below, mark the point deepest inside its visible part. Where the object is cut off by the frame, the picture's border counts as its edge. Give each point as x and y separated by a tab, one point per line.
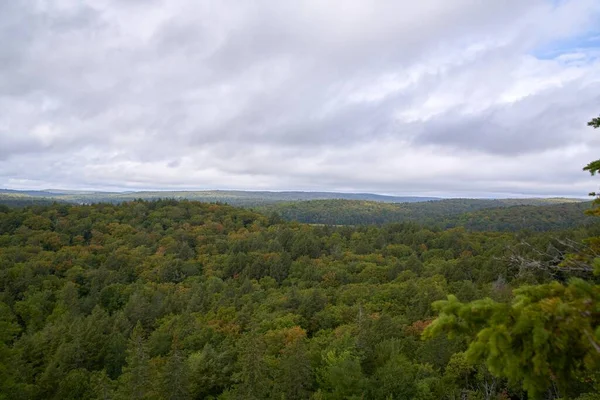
341	377
9	329
102	386
594	166
136	381
595	122
175	377
253	378
293	377
547	338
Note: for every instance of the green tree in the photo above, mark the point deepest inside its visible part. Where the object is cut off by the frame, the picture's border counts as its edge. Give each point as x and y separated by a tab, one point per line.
253	376
341	377
9	329
75	385
136	381
594	166
293	379
548	336
102	386
175	376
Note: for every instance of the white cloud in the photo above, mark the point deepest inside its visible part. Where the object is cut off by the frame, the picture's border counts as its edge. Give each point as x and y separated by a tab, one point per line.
393	97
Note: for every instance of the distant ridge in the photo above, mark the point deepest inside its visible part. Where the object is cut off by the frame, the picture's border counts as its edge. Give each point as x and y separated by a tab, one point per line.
245	198
331	208
234	197
473	214
279	196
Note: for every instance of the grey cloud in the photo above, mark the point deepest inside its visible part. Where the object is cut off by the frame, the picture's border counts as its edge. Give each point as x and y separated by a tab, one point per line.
550	119
255	90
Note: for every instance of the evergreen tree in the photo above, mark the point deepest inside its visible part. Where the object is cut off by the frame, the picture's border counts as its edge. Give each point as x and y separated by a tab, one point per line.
136	382
547	339
293	379
175	376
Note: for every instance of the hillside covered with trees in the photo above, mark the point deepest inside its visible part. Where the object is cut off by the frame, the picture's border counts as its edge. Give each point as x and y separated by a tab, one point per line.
187	300
233	197
537	214
472	214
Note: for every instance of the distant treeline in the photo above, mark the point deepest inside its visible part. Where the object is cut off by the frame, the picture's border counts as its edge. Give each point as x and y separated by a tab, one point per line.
233	197
473	214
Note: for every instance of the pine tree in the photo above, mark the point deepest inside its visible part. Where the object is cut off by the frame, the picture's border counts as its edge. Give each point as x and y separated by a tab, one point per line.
294	378
175	376
254	382
548	338
135	383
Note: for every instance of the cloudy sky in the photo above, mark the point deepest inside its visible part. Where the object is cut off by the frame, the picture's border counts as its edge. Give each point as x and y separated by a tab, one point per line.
433	97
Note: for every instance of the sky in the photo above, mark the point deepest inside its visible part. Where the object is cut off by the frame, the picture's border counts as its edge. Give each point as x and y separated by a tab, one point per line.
463	98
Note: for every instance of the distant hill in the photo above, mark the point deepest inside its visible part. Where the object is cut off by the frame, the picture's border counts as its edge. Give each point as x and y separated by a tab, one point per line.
22	193
22	199
351	208
474	214
534	218
234	197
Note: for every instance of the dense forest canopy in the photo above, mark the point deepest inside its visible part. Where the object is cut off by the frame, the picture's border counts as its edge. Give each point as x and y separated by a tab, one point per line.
472	214
538	214
180	299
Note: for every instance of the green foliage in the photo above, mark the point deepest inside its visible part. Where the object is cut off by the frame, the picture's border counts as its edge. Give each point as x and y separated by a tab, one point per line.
473	214
184	300
594	166
547	339
136	380
549	334
341	376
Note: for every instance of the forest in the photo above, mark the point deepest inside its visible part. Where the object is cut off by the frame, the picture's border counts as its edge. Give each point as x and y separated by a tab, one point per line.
472	214
177	299
538	214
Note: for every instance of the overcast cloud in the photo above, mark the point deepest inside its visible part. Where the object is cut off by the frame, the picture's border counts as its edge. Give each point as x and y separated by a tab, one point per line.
435	97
